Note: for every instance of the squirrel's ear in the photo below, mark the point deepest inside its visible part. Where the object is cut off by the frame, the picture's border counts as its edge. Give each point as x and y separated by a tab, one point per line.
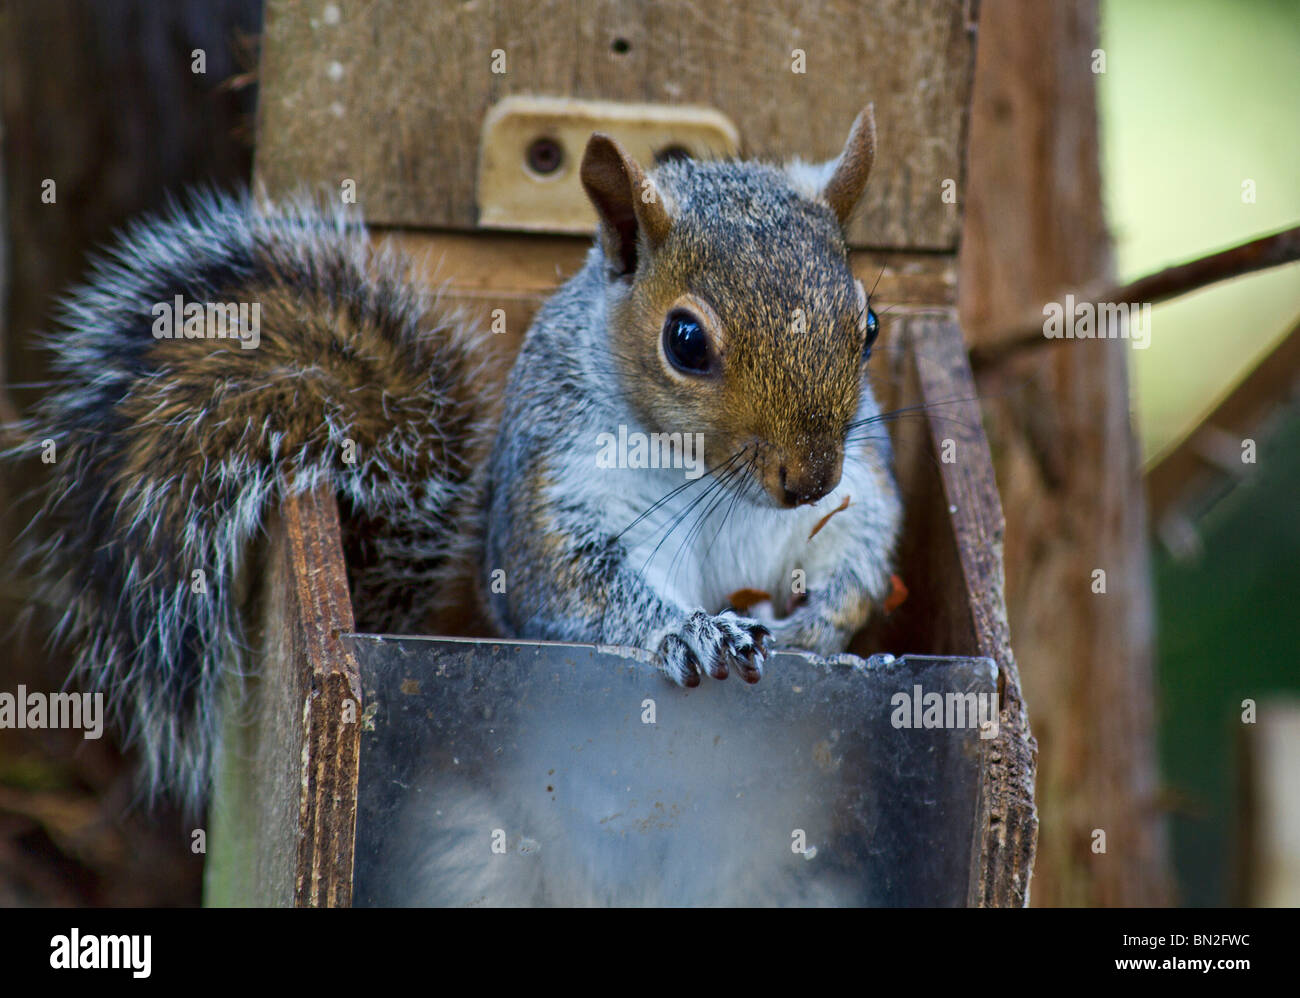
627	201
844	188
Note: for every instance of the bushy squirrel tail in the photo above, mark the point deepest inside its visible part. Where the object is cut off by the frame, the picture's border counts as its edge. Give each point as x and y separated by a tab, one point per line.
167	443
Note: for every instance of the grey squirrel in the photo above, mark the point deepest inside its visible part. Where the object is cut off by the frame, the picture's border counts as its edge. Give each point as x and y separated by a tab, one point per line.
717	307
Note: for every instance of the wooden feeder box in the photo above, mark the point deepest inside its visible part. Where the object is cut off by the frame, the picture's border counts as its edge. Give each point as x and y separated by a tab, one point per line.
386	770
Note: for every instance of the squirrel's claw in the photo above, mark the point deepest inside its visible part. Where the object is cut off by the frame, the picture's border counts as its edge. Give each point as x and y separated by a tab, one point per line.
714	644
679	662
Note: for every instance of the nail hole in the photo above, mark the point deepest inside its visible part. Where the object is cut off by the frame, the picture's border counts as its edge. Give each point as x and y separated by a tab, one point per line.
620	46
544	156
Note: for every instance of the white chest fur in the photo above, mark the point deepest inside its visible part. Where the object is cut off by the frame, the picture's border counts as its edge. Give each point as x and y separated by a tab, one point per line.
708	538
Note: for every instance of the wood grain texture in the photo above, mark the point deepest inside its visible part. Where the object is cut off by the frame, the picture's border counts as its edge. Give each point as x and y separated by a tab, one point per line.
488	265
284	815
394	92
1067	462
479	272
950	558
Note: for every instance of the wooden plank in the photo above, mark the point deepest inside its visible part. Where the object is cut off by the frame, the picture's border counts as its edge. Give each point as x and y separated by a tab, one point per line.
1009	821
950	558
392	94
481	271
490	265
284	814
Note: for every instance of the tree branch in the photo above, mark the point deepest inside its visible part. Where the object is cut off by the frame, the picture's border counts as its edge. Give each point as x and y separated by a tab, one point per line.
1258	254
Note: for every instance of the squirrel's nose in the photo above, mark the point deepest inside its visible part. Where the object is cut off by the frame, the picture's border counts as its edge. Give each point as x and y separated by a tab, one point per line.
809	485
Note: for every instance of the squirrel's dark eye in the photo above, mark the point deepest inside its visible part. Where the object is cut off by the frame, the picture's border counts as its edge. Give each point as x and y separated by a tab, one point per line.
873	330
686	343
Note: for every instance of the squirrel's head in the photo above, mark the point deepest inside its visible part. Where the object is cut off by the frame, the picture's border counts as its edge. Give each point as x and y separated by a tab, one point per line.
732	308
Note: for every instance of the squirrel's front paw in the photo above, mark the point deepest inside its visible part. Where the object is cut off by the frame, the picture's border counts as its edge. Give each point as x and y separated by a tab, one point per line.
808	630
714	644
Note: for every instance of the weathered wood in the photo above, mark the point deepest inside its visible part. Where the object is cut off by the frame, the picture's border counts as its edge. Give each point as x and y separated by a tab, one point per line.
950	559
1058	423
490	265
481	272
284	815
392	94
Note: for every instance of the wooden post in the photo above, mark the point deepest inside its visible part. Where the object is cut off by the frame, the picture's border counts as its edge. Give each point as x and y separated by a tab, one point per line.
284	814
1066	459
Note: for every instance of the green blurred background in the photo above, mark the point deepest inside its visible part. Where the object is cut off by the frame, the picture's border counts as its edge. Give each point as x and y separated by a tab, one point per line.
1198	97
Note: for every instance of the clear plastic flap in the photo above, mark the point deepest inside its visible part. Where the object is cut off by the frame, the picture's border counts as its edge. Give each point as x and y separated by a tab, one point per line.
506	773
